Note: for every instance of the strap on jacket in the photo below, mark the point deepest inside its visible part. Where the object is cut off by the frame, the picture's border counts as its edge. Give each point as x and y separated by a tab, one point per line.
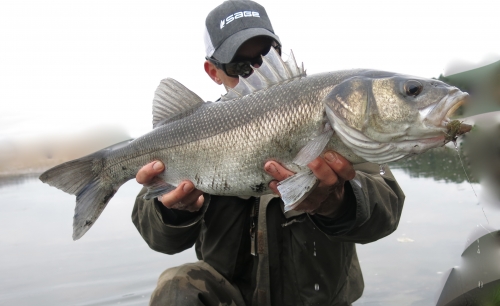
262	294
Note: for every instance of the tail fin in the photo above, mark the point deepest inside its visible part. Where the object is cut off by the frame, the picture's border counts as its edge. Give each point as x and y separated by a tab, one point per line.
82	177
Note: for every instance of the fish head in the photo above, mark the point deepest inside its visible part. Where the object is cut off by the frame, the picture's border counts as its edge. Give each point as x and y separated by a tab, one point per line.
384	116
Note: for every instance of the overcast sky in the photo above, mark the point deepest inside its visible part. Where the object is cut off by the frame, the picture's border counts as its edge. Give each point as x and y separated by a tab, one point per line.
69	65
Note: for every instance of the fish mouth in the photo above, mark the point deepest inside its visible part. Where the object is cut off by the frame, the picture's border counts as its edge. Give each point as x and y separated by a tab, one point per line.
436	118
438	125
439	114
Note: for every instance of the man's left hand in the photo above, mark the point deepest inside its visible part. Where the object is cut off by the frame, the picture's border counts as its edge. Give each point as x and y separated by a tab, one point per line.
332	171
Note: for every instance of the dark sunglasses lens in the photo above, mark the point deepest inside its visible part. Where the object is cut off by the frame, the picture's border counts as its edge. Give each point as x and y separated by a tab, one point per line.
243	68
239	68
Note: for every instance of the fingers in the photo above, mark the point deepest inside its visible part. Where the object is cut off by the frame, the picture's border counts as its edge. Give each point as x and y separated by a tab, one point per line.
184	197
147	173
329	169
191	206
341	166
278	172
273	185
323	172
332	170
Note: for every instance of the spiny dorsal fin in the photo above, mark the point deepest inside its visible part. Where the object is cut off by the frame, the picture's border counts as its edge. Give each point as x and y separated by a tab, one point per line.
231	94
172	99
272	71
292	67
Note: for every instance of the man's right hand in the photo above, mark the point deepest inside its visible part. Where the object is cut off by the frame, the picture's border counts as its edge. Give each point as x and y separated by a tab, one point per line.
184	197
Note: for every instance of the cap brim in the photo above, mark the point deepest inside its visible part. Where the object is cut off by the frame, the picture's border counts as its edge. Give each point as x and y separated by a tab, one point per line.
226	51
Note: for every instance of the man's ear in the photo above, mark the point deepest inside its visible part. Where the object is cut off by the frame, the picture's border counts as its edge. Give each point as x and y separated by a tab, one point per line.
211	70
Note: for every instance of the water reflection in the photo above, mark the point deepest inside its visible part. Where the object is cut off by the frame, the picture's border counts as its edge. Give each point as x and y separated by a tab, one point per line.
482	147
479	159
439	164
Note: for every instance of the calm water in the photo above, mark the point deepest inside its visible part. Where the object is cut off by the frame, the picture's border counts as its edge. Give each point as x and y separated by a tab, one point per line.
42	265
112	265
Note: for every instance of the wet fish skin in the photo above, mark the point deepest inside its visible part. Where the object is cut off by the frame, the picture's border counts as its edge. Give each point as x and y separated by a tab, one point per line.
222	147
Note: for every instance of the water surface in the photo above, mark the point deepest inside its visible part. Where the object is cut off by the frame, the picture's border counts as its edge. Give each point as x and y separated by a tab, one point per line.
111	264
42	265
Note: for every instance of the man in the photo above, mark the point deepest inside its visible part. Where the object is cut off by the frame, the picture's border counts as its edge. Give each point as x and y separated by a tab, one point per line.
250	251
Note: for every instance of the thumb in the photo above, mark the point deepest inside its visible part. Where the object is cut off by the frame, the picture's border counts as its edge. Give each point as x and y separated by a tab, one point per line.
149	171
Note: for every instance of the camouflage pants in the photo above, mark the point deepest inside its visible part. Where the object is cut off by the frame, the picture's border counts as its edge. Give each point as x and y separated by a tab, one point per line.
195	284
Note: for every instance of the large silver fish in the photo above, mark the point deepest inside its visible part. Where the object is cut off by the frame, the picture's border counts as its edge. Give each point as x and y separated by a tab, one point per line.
278	113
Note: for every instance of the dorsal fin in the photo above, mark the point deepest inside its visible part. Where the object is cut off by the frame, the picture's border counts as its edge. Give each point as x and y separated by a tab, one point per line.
272	71
173	99
292	67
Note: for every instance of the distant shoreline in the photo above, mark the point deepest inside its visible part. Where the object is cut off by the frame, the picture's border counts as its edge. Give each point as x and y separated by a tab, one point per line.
21	157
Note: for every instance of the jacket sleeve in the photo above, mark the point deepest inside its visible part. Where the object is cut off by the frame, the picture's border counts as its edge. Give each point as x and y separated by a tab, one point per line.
166	230
375	203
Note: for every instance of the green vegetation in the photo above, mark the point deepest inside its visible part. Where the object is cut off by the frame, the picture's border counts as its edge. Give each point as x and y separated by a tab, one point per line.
483	85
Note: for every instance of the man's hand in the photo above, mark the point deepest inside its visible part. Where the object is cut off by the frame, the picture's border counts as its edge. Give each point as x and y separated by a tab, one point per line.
184	197
332	170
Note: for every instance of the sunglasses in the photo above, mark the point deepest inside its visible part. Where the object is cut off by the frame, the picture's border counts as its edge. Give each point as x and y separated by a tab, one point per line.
243	68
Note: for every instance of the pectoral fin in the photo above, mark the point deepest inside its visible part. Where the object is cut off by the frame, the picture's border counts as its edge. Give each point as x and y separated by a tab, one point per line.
296	188
314	147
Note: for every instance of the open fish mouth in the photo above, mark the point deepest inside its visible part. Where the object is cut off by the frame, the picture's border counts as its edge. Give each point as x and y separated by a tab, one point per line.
454	128
438	115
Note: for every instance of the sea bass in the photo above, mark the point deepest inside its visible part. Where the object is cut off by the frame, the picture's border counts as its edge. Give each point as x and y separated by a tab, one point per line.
278	113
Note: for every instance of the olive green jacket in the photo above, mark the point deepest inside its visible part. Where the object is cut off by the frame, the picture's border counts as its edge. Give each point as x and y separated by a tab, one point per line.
300	259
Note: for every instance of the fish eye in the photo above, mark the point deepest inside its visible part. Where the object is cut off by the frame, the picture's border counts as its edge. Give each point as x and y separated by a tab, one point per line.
413	88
